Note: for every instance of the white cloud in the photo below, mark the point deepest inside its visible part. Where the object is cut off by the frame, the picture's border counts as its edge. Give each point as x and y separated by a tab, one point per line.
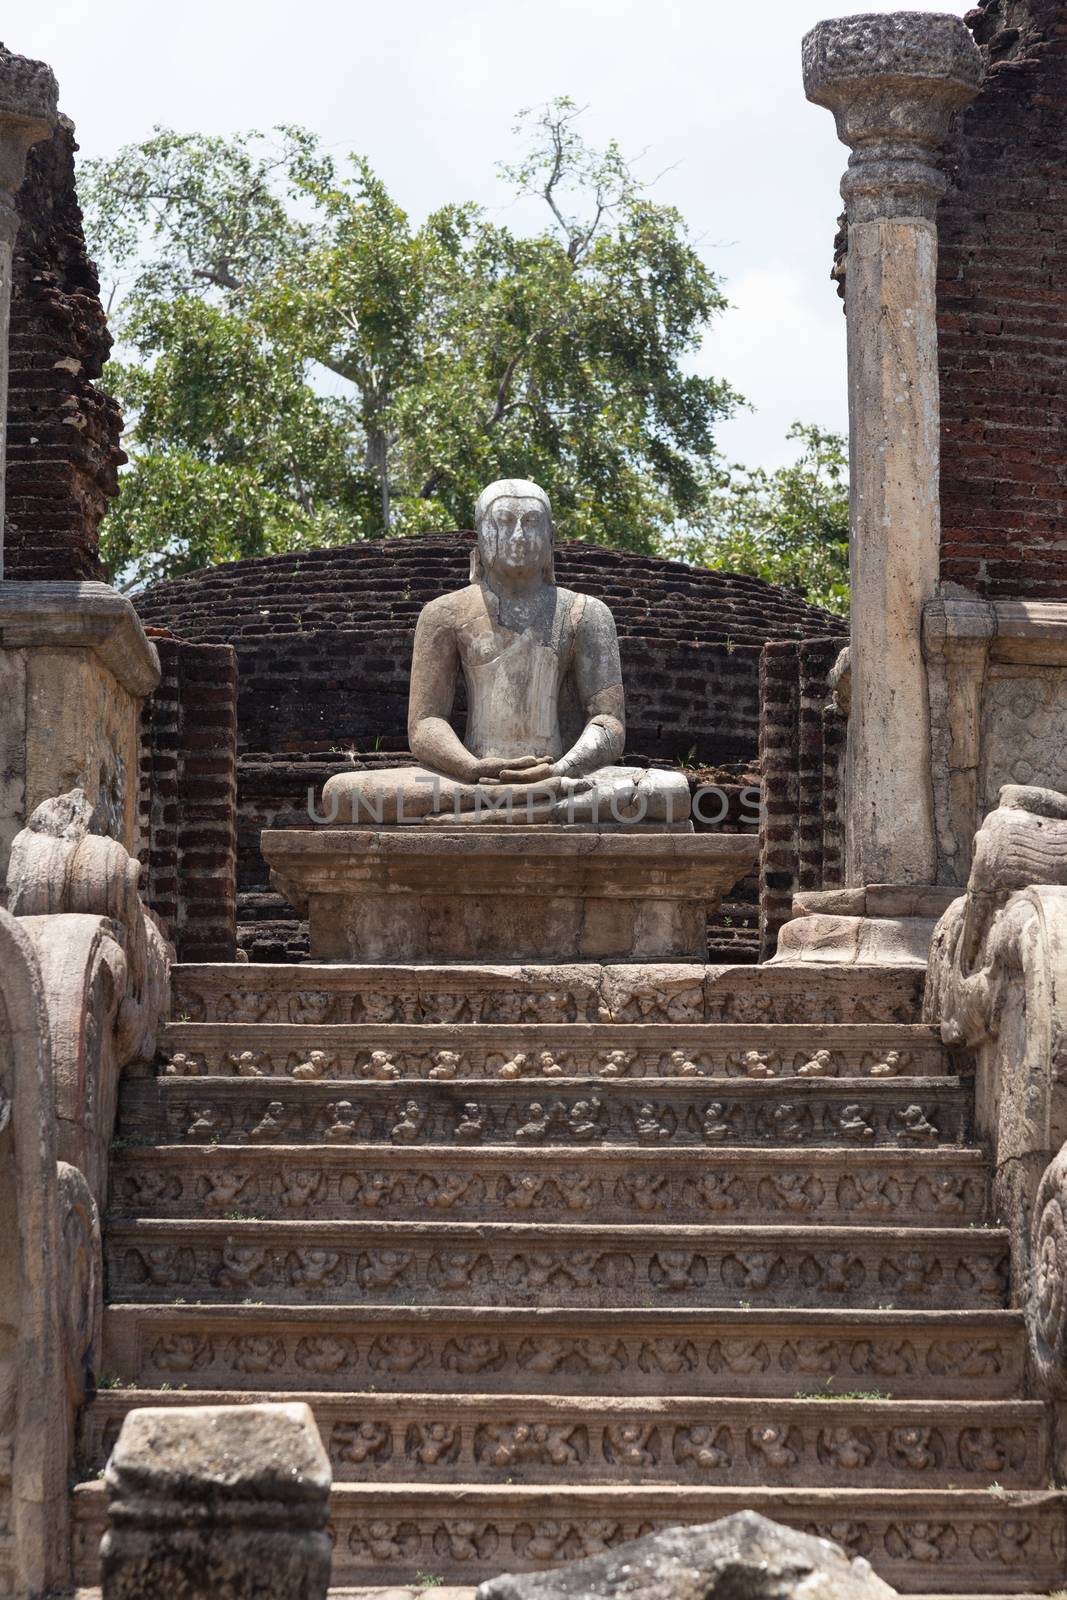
429	91
783	346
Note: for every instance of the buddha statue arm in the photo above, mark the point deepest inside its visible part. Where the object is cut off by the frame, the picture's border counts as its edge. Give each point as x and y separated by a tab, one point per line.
601	741
598	680
434	664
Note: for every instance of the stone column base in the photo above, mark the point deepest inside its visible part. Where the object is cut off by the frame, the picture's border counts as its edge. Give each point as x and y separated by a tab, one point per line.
884	924
505	895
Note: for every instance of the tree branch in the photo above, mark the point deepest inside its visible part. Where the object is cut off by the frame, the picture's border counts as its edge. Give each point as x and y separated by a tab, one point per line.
502	389
220	276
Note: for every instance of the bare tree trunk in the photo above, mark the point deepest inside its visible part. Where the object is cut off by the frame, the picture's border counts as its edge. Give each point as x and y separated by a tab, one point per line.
383	472
377	458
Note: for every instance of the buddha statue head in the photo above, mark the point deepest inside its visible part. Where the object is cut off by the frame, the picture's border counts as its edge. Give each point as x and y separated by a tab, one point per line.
515	532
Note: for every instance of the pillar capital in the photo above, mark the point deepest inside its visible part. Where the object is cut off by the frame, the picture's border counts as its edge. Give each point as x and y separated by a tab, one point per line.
893	83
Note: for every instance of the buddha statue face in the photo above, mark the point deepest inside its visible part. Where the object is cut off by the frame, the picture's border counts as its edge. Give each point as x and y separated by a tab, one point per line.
515	533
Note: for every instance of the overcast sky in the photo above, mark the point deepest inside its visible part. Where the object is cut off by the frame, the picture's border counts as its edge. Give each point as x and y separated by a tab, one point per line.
428	90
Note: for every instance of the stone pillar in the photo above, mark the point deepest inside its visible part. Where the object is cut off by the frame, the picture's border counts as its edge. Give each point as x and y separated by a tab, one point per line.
27	114
213	1501
893	83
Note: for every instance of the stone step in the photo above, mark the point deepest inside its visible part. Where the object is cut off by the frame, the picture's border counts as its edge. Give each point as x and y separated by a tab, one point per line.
616	1184
542	1052
495	1263
552	1439
906	1112
920	1541
670	1351
310	993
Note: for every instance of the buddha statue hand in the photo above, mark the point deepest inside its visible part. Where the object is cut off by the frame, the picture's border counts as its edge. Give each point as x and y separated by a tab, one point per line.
523	771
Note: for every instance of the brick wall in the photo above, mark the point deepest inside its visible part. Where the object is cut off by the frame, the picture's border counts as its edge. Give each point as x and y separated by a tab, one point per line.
324	642
1002	292
63	432
188	798
820	739
801	743
779	748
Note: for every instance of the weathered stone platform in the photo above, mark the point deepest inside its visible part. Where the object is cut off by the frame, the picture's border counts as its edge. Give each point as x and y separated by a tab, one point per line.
505	894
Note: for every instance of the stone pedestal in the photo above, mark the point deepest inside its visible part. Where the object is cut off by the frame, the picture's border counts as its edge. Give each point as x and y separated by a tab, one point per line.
515	894
75	666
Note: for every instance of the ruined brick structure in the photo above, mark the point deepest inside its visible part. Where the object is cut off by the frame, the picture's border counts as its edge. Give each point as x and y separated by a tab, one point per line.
188	798
63	432
1001	291
323	641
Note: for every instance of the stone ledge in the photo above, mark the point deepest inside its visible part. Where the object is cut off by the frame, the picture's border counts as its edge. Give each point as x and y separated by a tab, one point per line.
89	616
1033	631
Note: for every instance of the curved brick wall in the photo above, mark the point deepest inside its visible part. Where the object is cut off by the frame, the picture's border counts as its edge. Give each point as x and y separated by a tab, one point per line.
323	640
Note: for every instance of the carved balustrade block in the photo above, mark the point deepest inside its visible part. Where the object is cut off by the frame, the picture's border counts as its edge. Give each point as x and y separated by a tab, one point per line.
996	985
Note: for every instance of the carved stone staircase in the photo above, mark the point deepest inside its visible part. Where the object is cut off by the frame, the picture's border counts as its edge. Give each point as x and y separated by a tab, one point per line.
561	1255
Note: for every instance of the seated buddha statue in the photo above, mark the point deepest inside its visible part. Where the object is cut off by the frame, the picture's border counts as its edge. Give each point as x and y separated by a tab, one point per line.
546	722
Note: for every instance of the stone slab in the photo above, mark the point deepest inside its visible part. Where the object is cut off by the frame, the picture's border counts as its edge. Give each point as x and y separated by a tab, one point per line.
535	1438
817	939
673	1350
313	993
744	1554
574	1264
877	900
839	1186
514	894
944	1541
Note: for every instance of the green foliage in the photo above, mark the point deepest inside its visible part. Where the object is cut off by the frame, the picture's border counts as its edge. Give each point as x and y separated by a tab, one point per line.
303	365
789	526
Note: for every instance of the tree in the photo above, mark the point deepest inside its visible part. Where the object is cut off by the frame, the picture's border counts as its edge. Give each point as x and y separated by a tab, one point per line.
302	365
789	526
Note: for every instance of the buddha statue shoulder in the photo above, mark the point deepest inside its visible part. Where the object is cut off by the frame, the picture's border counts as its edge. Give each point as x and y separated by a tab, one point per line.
546	719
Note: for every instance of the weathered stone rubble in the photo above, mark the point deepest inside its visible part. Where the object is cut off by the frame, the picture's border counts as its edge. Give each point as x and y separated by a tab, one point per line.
743	1557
